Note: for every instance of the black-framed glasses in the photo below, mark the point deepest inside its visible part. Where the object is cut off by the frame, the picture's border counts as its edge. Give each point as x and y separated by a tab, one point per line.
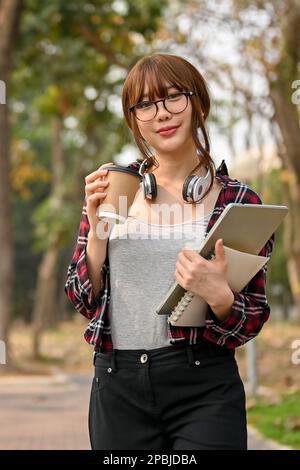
174	103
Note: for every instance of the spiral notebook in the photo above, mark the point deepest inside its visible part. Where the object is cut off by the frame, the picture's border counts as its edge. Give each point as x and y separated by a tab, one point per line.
245	229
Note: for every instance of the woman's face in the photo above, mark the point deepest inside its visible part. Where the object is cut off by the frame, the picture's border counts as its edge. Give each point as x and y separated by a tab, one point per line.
174	141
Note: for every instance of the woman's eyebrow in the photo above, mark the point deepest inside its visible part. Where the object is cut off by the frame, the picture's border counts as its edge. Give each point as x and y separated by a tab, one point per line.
168	88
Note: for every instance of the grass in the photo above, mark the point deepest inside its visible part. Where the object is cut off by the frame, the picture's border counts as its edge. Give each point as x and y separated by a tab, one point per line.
276	412
280	422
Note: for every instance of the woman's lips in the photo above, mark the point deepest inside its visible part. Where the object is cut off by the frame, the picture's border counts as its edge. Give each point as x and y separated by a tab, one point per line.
169	131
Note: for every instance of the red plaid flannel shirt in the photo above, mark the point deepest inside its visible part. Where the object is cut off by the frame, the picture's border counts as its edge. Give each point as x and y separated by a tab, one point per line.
250	309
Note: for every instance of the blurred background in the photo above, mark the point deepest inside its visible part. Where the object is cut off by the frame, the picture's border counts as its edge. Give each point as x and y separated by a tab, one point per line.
62	67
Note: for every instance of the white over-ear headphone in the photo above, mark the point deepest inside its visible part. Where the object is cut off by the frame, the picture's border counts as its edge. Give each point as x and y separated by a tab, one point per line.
193	188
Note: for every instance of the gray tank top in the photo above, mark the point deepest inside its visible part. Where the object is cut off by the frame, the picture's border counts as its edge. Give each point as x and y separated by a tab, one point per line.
142	259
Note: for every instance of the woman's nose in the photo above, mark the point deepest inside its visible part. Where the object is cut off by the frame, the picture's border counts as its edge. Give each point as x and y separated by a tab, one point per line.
161	109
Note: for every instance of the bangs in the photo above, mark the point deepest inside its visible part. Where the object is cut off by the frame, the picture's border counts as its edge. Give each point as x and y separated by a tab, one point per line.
158	76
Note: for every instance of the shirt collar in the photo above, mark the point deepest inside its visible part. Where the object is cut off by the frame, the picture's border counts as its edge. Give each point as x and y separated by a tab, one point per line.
222	173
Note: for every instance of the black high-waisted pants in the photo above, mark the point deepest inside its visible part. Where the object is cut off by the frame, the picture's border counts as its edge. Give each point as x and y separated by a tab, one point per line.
175	397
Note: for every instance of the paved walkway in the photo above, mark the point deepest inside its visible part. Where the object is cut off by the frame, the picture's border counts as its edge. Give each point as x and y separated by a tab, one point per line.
45	414
51	413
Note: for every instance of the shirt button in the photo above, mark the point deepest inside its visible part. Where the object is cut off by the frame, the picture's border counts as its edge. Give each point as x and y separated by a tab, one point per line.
197	363
144	358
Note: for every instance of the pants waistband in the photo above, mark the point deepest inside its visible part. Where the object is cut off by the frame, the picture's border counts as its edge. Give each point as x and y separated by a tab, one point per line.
179	353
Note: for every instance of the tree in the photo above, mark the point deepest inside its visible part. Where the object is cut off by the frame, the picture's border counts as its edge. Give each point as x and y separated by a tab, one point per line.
10	12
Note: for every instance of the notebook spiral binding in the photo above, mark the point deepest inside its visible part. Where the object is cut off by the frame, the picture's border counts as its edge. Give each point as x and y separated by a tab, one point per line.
185	300
181	306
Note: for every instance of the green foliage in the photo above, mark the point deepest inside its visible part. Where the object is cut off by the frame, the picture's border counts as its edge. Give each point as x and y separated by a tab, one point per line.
52	222
280	422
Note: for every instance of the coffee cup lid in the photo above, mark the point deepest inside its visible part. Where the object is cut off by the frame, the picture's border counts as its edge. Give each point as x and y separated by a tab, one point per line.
122	169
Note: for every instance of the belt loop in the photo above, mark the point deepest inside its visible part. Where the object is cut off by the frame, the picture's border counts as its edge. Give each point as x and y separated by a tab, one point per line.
94	357
190	354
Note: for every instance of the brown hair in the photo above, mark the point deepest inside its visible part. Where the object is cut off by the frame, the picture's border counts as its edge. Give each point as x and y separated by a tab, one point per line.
155	70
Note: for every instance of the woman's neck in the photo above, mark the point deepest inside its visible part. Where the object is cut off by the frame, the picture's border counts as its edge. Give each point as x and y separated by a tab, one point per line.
172	171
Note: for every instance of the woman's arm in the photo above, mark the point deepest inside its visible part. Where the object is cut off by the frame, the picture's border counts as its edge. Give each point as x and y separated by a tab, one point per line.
95	258
87	270
87	282
249	311
250	308
234	317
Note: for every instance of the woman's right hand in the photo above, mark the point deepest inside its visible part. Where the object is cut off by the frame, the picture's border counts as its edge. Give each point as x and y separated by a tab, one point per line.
95	186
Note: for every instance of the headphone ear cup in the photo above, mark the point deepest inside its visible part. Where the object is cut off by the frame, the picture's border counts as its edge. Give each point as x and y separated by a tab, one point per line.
153	185
149	186
185	193
195	186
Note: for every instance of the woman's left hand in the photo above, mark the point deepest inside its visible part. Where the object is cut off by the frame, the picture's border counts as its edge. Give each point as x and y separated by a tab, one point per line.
207	279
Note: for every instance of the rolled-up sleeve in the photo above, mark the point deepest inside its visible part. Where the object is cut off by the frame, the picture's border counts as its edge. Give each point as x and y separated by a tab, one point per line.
250	310
78	286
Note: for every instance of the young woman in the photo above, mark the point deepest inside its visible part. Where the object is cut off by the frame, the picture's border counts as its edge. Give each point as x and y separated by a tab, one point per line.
158	386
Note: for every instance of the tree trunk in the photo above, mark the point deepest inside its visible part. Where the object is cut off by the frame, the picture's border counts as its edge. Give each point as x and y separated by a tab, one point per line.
45	305
45	292
286	115
10	12
294	246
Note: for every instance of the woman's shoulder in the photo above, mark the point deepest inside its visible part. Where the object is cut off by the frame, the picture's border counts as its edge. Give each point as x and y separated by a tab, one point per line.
235	190
238	191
